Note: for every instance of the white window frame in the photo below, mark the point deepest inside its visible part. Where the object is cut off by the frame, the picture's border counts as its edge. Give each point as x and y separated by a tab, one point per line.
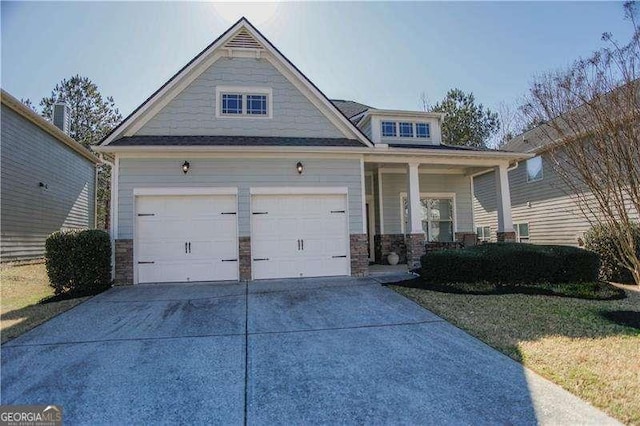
431	195
516	227
428	130
395	125
414	129
244	91
412	124
485	237
541	169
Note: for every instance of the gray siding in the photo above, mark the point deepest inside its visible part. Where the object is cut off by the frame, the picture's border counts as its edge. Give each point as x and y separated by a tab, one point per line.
366	129
545	205
28	212
193	111
243	174
393	184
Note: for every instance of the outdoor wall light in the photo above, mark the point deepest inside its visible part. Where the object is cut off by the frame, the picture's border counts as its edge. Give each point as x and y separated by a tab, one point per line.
185	167
299	168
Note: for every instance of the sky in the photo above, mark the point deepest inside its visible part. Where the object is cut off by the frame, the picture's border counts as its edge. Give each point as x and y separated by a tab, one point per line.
381	54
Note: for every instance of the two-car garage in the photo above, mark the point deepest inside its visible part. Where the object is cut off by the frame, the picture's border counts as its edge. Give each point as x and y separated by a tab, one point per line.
192	235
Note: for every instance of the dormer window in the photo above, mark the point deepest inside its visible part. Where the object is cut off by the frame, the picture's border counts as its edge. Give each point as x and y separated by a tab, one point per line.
253	102
423	130
389	129
406	130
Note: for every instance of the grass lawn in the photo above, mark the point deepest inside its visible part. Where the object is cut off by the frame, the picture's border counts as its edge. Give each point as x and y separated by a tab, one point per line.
22	287
568	341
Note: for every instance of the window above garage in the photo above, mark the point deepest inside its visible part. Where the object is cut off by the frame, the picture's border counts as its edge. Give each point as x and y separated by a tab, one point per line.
243	102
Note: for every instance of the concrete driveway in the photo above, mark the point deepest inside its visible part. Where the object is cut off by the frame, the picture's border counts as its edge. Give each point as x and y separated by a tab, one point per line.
296	351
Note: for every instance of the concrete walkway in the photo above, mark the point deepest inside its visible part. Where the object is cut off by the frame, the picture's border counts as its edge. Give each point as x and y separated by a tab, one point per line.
312	351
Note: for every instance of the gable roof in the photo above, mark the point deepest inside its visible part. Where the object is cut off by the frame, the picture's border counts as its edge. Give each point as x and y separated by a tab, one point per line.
241	36
350	108
30	115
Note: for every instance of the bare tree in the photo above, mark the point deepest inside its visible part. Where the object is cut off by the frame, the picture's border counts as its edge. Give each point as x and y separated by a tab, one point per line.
592	116
511	124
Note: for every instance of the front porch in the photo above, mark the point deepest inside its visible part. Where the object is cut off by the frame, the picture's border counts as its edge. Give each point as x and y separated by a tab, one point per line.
422	204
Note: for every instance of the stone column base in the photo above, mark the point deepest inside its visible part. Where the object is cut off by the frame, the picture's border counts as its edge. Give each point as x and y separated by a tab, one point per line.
123	262
387	243
415	249
244	258
468	239
359	255
506	237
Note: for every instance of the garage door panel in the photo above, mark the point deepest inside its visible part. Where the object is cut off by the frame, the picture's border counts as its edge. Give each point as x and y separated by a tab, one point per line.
180	220
293	218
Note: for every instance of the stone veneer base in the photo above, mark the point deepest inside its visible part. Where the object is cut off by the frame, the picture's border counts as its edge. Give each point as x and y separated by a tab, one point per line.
415	249
123	262
359	255
244	258
387	243
506	237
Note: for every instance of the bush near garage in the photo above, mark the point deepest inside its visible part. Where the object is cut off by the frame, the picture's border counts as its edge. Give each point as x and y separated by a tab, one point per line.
600	239
78	262
511	263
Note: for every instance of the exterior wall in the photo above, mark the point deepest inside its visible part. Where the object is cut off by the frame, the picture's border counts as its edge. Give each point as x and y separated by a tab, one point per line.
393	184
240	173
545	205
193	111
29	213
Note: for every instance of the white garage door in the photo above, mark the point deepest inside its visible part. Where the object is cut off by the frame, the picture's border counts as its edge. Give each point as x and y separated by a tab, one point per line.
186	238
299	236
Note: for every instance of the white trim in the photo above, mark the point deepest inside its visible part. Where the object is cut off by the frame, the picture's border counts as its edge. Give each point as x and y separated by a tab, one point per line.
290	190
380	202
413	189
113	209
380	155
186	191
364	198
244	91
422	171
449	195
95	199
209	56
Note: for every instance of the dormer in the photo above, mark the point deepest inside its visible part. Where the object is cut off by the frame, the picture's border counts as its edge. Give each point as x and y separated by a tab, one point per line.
397	127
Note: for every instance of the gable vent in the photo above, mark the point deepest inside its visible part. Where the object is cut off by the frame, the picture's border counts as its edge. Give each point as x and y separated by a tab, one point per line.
243	40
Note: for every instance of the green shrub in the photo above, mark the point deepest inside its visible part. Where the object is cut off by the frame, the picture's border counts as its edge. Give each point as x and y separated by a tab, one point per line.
78	262
600	239
511	263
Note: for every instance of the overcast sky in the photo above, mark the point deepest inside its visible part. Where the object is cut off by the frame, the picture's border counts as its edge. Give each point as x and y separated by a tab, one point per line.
381	54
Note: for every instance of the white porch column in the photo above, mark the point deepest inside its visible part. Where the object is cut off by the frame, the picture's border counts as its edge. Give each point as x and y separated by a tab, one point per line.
414	236
503	201
414	222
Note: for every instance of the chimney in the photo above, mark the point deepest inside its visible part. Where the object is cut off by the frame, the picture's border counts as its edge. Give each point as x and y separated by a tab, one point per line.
61	116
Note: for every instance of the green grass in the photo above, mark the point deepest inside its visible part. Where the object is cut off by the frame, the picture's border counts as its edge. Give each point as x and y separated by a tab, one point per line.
22	288
569	341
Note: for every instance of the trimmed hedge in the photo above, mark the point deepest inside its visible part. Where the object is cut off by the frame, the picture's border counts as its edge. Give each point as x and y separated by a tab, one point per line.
79	262
511	263
600	239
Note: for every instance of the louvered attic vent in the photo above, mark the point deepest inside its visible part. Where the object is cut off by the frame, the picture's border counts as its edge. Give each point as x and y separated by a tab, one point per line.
243	40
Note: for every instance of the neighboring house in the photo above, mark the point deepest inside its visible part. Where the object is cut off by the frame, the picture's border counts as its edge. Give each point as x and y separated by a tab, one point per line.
240	168
48	180
544	211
